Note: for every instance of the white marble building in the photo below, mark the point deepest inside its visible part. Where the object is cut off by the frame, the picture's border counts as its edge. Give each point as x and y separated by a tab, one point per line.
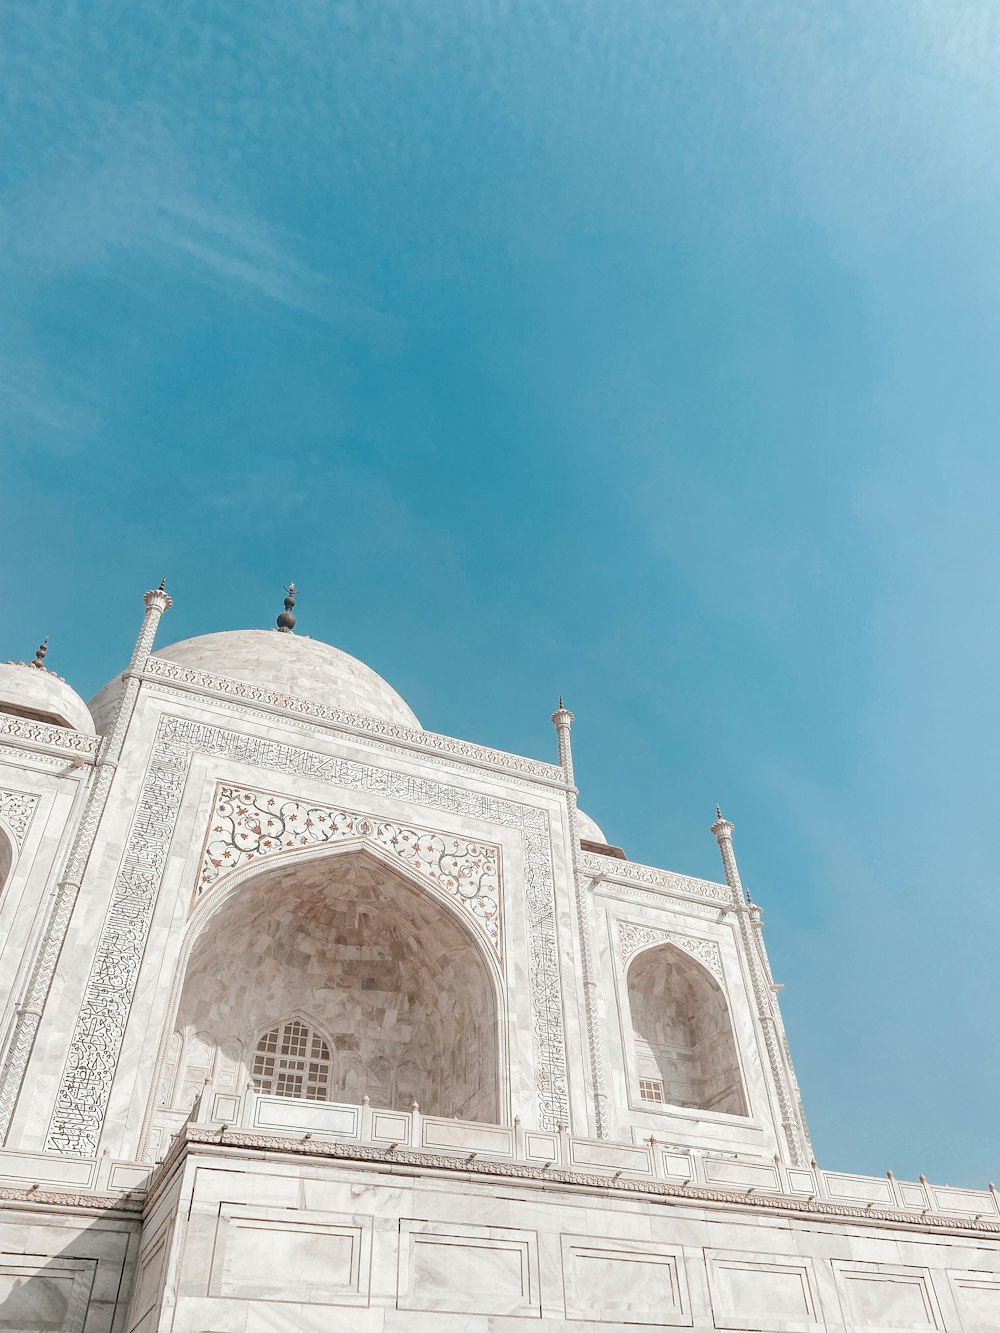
313	1019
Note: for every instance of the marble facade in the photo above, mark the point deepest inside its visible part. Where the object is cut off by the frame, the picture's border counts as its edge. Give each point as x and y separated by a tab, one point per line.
315	1019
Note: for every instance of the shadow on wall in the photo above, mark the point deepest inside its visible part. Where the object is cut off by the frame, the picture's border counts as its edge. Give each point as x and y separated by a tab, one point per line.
49	1284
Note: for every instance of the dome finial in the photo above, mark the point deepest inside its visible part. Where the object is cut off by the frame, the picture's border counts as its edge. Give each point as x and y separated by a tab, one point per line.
286	621
40	652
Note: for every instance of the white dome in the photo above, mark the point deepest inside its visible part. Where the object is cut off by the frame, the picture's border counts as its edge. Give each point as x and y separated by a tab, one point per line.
289	663
589	832
38	694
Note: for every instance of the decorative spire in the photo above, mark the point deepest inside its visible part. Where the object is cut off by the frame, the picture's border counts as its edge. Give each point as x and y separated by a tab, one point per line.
723	831
286	621
562	720
40	652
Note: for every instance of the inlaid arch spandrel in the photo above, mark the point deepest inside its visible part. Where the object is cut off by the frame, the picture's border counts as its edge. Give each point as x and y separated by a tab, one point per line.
16	810
632	939
248	826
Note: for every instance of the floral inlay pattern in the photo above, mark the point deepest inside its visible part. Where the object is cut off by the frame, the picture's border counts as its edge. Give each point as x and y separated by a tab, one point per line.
16	809
250	825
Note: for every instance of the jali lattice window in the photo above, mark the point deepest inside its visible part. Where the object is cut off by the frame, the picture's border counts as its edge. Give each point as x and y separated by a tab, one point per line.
651	1090
292	1061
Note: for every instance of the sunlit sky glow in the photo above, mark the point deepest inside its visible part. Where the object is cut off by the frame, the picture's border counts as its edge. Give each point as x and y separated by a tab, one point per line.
643	351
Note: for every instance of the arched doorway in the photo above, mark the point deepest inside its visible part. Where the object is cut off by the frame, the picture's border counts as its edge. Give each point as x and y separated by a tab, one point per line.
332	978
685	1051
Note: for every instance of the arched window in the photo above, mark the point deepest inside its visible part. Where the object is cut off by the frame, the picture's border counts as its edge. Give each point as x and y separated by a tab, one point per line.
685	1051
292	1060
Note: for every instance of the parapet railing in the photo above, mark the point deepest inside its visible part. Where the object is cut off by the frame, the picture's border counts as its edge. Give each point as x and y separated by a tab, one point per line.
542	1149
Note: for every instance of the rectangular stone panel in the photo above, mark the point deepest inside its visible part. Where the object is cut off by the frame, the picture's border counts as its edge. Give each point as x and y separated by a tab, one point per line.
541	1147
226	1106
129	1175
276	1254
457	1269
624	1282
759	1175
391	1127
467	1136
757	1292
679	1165
972	1202
149	1277
633	1160
316	1117
884	1297
39	1295
27	1168
912	1196
865	1189
977	1295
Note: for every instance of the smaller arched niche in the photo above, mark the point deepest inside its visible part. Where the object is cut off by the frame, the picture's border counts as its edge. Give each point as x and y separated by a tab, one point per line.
6	858
685	1050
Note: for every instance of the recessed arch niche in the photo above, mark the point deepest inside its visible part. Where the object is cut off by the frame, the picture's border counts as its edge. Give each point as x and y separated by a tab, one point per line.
6	857
377	966
682	1033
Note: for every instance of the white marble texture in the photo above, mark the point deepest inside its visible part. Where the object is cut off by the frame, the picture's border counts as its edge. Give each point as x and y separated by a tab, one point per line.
153	992
451	1252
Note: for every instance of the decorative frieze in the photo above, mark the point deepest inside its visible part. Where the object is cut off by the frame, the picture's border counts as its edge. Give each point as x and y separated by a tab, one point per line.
28	732
311	710
253	825
95	1046
615	871
632	938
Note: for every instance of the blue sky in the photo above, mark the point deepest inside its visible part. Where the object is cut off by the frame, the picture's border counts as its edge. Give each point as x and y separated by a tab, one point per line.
639	351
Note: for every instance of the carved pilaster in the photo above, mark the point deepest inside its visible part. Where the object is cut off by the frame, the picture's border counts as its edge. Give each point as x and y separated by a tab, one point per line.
768	1013
63	900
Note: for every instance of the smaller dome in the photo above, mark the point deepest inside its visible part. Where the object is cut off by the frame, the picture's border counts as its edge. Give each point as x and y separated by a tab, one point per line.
41	696
589	832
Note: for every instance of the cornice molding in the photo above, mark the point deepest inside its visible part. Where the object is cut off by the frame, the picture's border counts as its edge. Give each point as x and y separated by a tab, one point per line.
192	679
46	736
226	1139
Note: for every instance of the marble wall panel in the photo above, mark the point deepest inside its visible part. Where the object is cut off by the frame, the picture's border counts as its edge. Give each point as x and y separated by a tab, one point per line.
758	1292
624	1282
64	1273
977	1296
472	1255
884	1297
468	1269
266	1254
149	1280
45	1296
866	1189
318	1117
